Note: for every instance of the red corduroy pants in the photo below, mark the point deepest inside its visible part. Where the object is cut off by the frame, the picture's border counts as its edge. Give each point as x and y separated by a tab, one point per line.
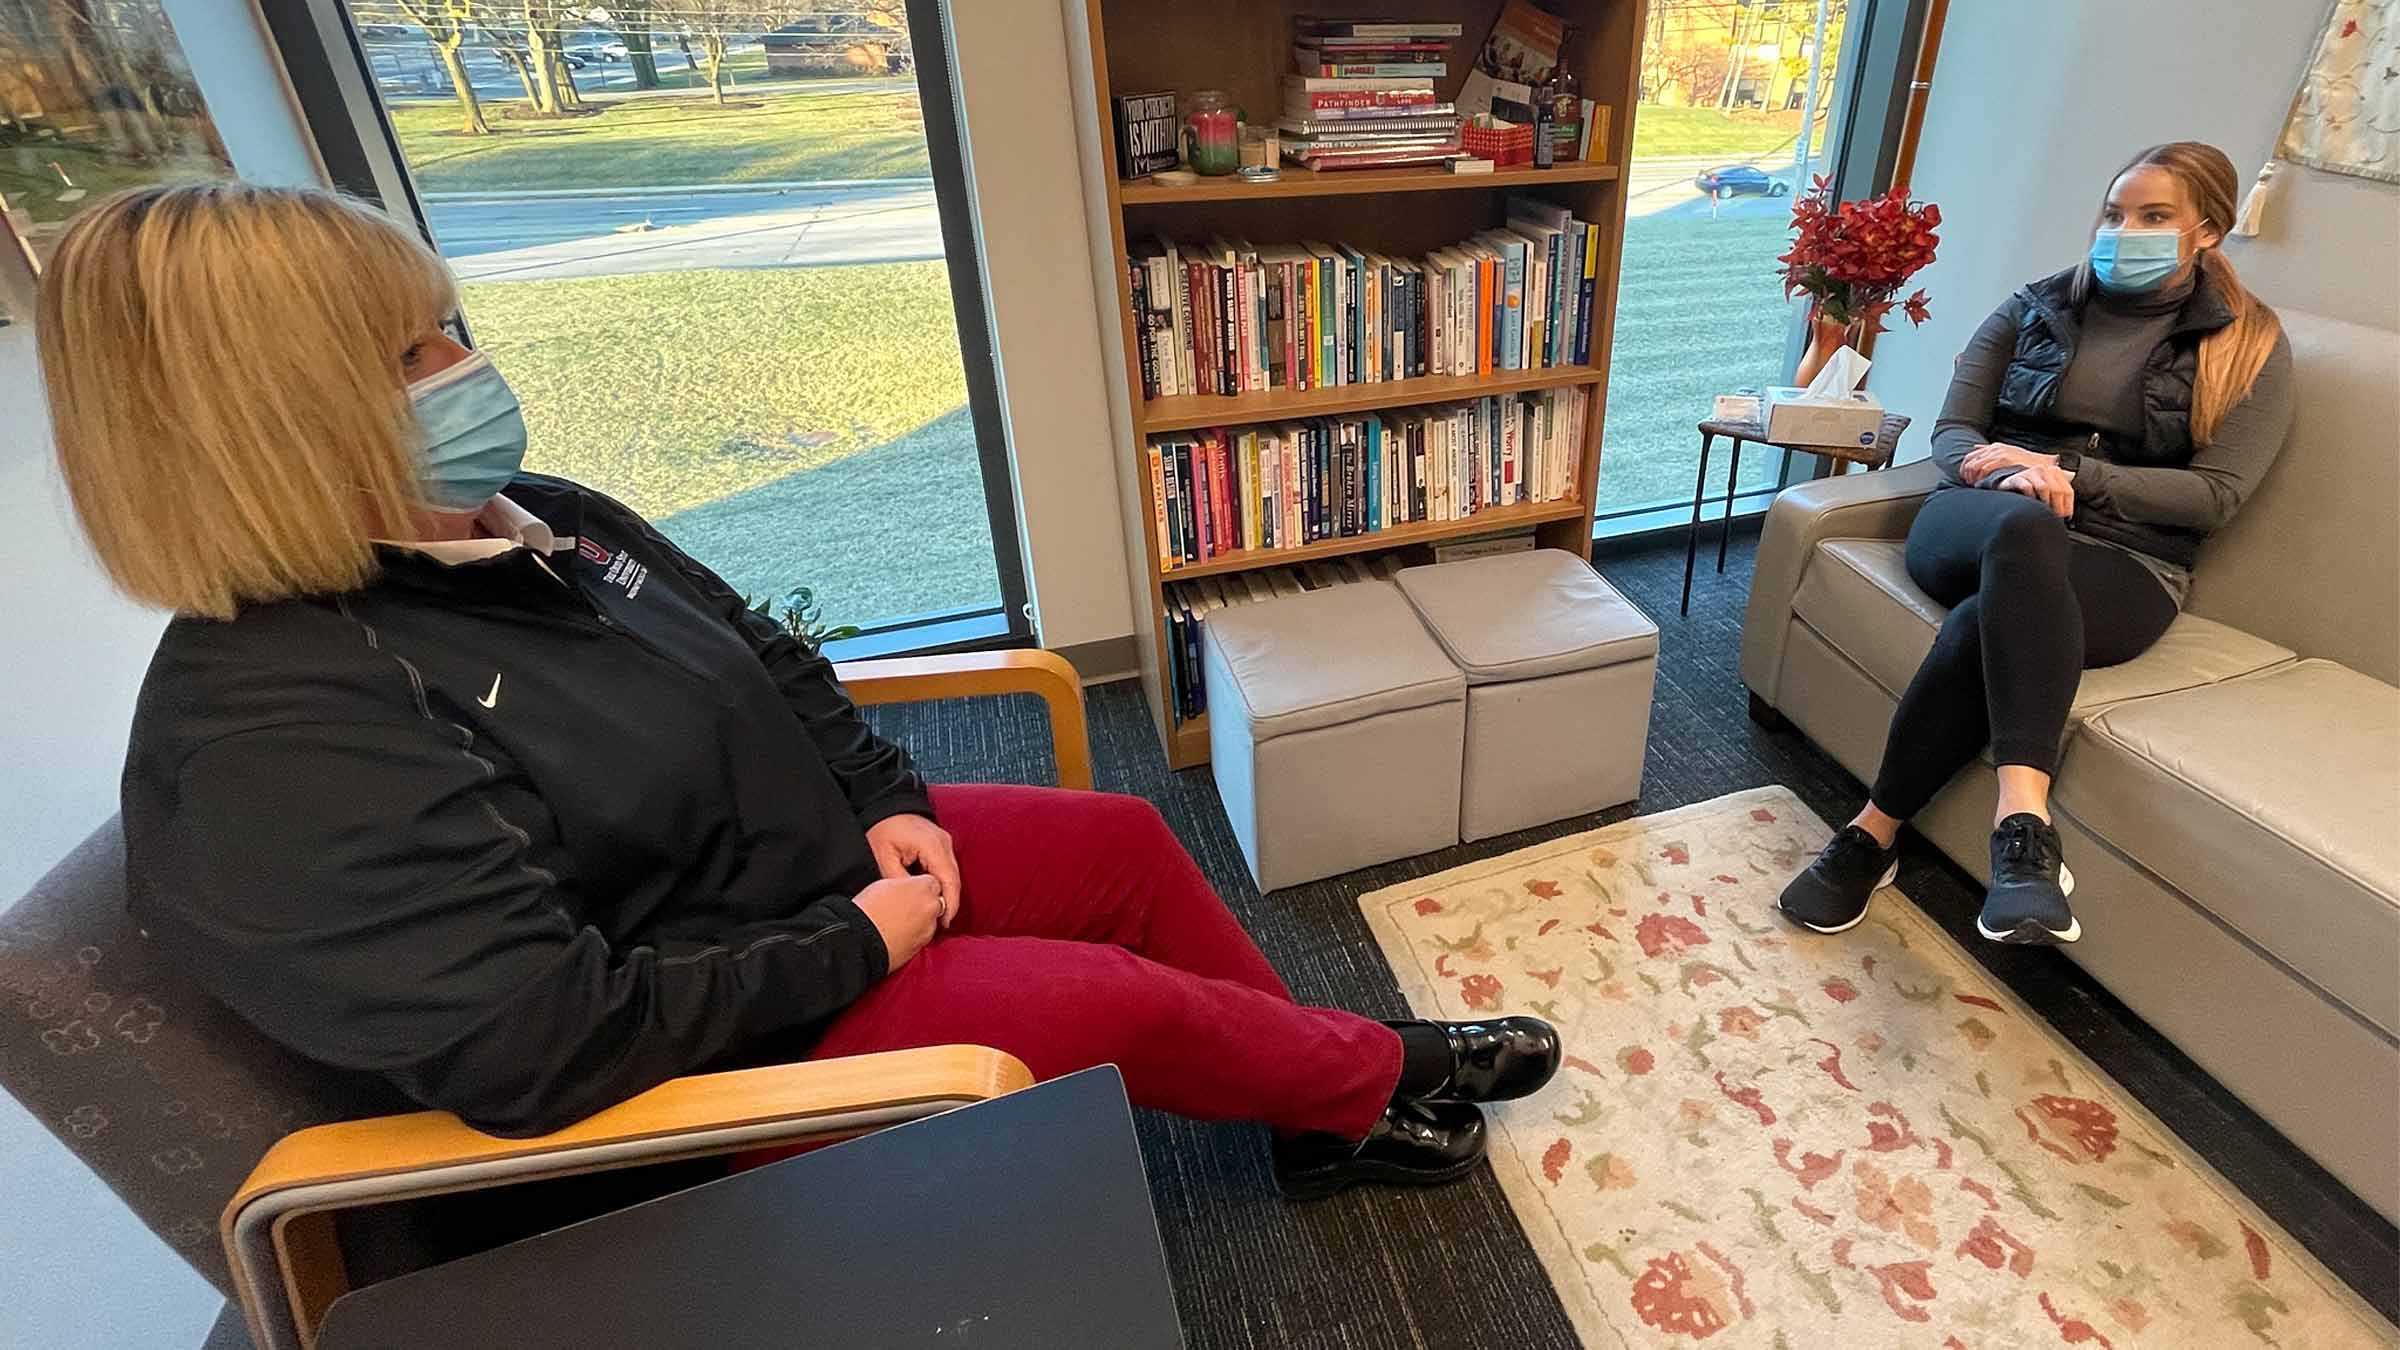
1086	935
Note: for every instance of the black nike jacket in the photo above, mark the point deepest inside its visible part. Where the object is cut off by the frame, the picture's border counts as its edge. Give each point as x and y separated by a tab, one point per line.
523	848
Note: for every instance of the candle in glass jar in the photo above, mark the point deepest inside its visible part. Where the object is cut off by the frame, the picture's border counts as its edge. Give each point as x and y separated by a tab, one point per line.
1211	133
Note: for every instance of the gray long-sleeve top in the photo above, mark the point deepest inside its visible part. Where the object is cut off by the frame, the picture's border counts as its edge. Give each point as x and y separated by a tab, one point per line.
2102	391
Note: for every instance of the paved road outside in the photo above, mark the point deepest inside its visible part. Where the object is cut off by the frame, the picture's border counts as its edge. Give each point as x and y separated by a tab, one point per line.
521	239
1662	186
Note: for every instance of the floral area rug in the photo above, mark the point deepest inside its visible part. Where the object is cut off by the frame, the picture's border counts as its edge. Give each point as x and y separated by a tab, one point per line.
1766	1137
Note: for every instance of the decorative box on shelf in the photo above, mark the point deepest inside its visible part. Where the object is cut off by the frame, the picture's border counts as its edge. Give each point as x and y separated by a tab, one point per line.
1502	142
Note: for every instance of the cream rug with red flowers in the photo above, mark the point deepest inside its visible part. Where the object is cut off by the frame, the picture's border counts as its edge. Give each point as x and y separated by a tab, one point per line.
1765	1137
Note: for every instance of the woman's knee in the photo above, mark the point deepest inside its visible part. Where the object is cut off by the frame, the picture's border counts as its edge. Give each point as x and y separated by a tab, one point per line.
2023	529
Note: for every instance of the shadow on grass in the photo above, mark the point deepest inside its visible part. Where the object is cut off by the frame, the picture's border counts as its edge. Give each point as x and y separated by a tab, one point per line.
893	530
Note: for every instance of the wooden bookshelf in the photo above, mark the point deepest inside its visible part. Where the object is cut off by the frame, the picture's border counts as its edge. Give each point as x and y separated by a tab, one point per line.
1243	47
1491	520
1189	411
1299	182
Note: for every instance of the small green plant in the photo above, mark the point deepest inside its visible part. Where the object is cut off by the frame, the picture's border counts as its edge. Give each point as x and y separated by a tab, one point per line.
800	614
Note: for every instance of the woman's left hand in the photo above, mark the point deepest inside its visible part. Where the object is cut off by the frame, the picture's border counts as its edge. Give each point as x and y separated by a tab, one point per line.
2048	484
902	842
1985	460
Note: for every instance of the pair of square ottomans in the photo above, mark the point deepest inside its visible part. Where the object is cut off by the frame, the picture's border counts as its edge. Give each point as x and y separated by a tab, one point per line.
1461	700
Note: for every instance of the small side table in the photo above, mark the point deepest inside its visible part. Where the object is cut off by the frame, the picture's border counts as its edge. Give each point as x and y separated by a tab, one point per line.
1875	456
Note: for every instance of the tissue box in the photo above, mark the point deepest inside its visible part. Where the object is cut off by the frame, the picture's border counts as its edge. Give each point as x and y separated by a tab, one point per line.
1797	417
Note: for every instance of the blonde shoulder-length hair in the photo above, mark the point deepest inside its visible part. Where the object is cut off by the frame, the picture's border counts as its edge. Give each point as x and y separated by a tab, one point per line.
223	369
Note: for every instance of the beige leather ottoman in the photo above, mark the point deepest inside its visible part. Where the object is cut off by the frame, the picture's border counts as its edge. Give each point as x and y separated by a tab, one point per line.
1559	669
1334	729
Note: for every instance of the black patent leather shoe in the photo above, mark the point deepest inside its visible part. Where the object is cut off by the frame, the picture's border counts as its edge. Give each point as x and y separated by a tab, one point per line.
1495	1061
1414	1144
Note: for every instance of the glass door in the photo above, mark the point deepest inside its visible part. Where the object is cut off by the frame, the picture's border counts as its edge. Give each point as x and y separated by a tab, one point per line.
1734	109
725	256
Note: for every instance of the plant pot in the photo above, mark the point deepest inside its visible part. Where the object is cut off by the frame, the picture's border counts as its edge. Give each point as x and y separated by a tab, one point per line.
1825	337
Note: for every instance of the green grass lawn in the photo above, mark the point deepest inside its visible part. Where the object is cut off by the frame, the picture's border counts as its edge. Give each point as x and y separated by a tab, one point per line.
1700	312
656	141
798	425
1659	130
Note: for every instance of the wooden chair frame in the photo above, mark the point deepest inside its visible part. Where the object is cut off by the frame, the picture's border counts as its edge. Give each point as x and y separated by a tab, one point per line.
279	1229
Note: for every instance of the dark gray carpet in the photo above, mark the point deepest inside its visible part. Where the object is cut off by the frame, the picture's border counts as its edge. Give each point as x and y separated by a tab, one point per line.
1451	1267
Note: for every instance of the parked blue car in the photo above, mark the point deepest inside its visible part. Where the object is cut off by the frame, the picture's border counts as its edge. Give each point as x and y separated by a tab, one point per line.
1740	180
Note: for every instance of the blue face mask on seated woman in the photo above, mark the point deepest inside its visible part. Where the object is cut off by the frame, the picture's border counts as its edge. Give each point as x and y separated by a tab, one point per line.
473	433
2132	261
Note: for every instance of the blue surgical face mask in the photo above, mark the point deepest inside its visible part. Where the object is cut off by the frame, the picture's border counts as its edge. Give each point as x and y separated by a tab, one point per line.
473	434
2131	261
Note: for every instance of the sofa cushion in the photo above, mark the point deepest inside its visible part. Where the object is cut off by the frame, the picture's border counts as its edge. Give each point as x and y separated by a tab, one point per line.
1321	658
1520	616
1858	595
2268	802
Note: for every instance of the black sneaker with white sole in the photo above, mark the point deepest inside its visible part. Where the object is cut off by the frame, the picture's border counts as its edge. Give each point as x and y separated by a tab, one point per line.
2030	886
1831	895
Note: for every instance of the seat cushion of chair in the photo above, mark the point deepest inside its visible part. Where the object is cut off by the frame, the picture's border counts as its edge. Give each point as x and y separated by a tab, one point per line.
1520	616
1322	658
1858	596
2268	802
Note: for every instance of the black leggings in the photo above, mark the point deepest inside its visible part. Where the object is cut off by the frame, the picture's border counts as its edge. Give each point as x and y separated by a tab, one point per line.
2031	608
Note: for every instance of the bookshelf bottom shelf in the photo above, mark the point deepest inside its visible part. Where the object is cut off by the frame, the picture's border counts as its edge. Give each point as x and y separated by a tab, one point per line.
1489	521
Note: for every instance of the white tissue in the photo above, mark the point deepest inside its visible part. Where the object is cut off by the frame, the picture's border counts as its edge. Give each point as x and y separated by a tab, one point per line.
1843	373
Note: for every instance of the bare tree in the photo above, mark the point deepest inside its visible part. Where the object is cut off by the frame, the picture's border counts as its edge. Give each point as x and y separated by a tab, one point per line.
714	24
446	23
633	20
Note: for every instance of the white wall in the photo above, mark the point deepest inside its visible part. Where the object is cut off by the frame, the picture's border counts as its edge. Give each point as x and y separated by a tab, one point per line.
1012	57
72	650
2035	103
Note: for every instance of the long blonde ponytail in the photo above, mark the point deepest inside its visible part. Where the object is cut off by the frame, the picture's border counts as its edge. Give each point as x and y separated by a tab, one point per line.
2231	357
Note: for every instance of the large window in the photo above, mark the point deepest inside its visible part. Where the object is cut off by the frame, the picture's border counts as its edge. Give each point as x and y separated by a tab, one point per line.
724	255
1741	104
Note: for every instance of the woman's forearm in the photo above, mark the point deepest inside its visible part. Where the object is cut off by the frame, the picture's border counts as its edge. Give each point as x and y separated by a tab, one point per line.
1975	390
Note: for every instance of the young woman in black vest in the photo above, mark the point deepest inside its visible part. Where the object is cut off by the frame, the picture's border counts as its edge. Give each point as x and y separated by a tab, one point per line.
2100	425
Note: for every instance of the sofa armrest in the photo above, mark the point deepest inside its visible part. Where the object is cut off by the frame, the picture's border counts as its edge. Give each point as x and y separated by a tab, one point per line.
920	679
278	1229
1854	506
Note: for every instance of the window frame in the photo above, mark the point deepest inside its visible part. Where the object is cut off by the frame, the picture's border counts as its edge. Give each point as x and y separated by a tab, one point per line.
346	122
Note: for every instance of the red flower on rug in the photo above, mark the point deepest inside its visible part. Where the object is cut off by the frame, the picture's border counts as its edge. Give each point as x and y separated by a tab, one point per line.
1683	1298
1992	1245
1840	990
1429	905
1668	933
1543	890
1913	1278
1634	1060
1554	1160
1480	991
2074	1330
1813	1168
2074	1128
1677	854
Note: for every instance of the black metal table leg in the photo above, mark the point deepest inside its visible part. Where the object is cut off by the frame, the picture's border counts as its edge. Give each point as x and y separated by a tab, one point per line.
1691	542
1733	478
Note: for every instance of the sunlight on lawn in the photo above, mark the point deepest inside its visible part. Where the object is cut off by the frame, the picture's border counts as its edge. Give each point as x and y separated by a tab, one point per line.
1700	311
669	141
670	389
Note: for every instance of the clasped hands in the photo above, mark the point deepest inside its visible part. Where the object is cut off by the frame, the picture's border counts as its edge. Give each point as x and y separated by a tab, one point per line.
2036	476
906	906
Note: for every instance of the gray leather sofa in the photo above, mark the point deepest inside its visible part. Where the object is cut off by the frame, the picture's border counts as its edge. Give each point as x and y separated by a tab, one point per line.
2229	801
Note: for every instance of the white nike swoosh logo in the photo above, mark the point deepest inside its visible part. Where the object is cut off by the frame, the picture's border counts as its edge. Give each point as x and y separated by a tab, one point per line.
492	699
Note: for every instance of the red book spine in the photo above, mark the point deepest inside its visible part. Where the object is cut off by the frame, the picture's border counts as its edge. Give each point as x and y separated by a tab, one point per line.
1363	98
1220	465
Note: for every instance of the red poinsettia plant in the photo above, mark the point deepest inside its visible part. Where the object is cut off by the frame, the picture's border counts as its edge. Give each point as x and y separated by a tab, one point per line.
1853	257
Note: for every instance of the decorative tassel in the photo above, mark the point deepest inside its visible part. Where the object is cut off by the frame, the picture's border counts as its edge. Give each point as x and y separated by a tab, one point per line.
2253	214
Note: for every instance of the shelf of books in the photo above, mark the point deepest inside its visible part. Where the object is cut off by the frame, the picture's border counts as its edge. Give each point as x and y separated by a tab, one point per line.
1324	385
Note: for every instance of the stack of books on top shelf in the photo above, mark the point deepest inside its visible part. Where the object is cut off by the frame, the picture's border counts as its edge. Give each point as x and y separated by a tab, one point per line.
1227	317
1363	94
1287	485
1189	605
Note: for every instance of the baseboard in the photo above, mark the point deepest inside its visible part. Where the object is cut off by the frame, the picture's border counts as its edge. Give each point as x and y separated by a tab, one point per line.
1105	660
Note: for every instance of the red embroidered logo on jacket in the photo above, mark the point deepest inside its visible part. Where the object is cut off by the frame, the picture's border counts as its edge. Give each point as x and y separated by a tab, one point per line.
593	551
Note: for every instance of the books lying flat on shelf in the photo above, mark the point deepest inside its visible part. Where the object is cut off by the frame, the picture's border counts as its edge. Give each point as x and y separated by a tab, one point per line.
1384	67
1257	489
1310	25
1519	541
1227	317
1189	604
